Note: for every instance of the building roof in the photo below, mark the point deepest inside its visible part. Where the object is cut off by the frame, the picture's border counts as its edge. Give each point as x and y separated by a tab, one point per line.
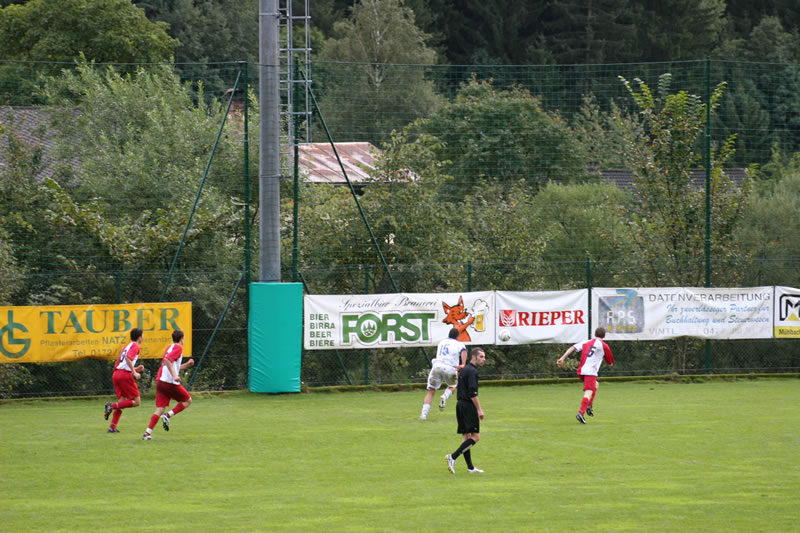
30	126
624	178
319	163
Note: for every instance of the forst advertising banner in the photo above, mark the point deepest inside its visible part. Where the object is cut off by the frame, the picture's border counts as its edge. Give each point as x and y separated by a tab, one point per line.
542	317
57	333
787	313
665	313
395	320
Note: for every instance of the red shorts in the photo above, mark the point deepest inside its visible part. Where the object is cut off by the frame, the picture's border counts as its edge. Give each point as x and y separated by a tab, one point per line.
589	383
170	391
124	384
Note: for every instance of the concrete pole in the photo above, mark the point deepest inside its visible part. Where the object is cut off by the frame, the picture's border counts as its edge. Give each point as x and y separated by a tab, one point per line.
269	161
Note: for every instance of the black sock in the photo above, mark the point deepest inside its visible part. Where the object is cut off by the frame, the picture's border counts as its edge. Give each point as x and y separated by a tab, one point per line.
464	447
468	459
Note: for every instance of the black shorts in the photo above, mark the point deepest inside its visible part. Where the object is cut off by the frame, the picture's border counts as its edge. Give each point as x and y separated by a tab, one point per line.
467	416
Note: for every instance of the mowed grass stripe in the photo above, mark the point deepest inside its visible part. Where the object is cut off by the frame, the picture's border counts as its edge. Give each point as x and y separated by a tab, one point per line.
716	456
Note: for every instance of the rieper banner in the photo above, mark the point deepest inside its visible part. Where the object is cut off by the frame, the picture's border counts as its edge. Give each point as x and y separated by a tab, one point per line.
546	317
60	333
787	313
394	320
665	313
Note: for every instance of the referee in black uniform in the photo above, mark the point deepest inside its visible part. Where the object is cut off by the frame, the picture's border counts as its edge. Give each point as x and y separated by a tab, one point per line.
468	411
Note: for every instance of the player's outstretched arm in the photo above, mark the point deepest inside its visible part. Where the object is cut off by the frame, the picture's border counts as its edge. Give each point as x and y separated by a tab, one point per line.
561	359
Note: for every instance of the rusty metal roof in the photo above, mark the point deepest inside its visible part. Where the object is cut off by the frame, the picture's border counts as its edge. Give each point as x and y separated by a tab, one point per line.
318	161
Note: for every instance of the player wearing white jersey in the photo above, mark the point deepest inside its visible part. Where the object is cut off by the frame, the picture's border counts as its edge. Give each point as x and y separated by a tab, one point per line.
168	385
593	353
451	356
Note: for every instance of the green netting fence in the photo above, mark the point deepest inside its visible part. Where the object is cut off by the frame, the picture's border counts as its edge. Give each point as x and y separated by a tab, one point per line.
484	177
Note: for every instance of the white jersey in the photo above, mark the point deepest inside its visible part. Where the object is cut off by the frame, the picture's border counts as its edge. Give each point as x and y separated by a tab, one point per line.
173	356
449	352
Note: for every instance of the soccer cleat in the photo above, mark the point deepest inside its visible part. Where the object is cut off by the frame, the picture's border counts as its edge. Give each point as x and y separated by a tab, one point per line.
580	418
475	471
147	436
589	411
113	430
423	417
442	402
165	422
107	410
451	463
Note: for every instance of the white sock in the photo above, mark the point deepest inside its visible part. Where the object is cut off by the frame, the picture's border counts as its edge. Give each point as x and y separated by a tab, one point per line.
170	414
446	394
425	408
149	431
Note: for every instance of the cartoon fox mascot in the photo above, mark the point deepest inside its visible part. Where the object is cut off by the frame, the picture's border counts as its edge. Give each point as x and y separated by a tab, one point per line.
454	316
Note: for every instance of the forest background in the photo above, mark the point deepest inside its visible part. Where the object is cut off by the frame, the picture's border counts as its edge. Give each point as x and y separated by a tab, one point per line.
461	94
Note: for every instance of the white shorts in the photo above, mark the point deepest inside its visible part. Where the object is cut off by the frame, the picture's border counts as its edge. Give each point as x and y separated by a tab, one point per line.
442	374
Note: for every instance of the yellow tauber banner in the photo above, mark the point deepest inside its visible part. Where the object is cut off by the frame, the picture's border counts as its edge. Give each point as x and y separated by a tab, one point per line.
56	333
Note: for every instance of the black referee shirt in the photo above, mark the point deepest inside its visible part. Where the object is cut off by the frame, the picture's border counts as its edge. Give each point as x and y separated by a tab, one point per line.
468	382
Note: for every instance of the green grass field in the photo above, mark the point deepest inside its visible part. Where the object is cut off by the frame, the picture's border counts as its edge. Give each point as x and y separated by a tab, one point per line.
716	456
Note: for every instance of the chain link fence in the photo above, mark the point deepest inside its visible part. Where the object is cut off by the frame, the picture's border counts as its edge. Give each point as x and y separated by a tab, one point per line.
133	183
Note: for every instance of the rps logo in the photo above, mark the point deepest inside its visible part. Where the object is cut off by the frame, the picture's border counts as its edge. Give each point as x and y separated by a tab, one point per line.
623	313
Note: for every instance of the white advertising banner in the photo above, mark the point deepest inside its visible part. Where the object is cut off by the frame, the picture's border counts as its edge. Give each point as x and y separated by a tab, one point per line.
787	313
665	313
533	317
395	320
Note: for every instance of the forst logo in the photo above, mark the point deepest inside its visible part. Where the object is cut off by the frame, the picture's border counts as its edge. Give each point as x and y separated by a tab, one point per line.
386	328
7	338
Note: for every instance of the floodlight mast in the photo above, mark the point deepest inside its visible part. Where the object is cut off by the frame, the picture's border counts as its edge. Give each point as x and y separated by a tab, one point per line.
269	161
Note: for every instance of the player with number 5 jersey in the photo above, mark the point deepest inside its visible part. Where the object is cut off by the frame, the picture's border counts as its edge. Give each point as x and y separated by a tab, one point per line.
593	353
168	385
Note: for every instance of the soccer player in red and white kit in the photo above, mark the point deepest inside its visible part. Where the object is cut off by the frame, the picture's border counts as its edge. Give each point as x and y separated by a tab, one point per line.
593	353
125	375
168	385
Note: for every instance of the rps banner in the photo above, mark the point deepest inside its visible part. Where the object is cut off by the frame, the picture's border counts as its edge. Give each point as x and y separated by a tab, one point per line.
787	313
394	320
57	333
531	317
706	313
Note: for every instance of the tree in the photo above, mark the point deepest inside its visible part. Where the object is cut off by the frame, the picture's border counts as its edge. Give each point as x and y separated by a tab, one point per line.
597	31
208	31
489	135
104	31
667	216
380	87
142	143
767	88
769	224
500	32
675	30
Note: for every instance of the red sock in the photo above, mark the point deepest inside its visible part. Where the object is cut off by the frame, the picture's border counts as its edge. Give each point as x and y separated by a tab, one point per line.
584	405
115	418
178	408
153	421
591	402
124	404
